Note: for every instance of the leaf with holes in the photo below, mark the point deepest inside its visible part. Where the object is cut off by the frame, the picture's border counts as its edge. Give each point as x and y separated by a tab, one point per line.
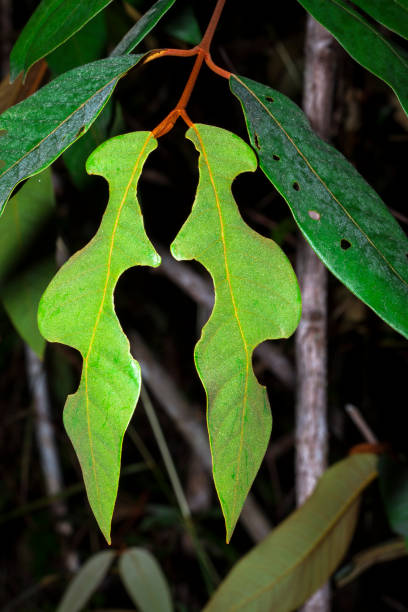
341	216
256	298
77	309
364	43
142	28
391	13
52	23
290	564
36	131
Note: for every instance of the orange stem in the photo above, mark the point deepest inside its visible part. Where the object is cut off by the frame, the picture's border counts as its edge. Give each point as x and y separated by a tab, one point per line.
202	51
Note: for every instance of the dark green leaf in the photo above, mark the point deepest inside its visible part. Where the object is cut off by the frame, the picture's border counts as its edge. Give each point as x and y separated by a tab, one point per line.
84	47
144	581
341	216
391	13
142	28
78	309
394	490
86	581
301	553
256	298
36	131
26	215
52	23
21	297
185	26
364	43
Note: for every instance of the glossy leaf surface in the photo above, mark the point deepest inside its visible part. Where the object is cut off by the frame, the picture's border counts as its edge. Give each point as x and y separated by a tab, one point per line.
78	309
36	131
142	27
86	581
391	13
52	23
364	43
144	581
301	553
341	216
256	298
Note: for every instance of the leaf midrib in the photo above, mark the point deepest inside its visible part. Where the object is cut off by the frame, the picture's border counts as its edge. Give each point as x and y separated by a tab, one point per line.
322	181
19	160
244	342
99	314
314	545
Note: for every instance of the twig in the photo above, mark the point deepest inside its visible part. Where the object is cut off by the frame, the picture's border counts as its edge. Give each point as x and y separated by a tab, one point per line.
50	463
361	424
311	337
201	291
190	423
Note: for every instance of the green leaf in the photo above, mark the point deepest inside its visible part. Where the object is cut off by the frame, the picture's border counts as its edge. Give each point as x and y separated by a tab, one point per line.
185	26
86	581
391	13
340	215
302	552
77	309
142	28
144	581
364	43
256	298
27	213
52	23
36	131
84	47
21	297
394	491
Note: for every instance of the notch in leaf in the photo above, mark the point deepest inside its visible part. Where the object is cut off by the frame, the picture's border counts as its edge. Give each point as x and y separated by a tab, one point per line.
78	309
256	297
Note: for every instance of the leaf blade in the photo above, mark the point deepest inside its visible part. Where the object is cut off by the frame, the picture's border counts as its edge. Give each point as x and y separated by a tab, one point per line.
340	215
364	43
240	319
300	554
142	28
144	581
391	13
86	581
52	23
37	130
78	309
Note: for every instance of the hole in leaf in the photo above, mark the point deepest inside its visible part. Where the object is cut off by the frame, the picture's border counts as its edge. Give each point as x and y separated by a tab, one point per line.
269	99
296	186
345	244
313	214
256	141
80	131
276	157
2	163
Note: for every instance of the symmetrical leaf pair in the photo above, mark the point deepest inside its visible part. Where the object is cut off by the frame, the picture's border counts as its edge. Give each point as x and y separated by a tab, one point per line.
257	297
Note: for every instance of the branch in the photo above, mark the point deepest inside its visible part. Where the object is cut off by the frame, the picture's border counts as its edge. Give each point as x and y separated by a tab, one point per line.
311	337
50	463
191	424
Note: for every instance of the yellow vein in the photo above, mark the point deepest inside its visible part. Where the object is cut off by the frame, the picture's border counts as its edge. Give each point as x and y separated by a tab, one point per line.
95	327
228	278
331	525
344	209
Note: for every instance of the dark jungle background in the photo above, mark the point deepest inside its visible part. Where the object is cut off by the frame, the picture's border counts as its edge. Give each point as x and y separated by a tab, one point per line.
368	361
